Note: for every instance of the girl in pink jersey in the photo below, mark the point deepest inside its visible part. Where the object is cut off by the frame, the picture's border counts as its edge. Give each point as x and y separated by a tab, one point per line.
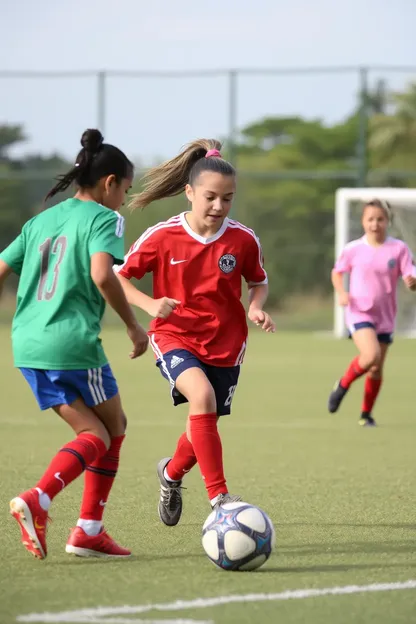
199	331
374	262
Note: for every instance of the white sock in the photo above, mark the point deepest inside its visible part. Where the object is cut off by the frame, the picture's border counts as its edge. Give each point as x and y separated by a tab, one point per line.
167	477
44	500
90	527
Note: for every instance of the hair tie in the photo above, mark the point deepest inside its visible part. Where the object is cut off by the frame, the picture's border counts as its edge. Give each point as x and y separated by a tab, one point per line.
213	153
76	165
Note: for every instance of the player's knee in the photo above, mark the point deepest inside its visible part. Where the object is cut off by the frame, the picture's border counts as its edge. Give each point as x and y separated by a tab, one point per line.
204	401
100	432
376	370
123	423
371	359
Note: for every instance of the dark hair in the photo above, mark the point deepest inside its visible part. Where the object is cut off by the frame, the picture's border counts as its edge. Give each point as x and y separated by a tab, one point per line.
171	177
383	205
95	161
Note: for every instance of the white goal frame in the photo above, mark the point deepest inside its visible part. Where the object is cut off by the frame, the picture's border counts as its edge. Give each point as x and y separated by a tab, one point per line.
343	198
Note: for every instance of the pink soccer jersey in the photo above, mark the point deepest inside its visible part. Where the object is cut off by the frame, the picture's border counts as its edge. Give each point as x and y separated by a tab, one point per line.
374	274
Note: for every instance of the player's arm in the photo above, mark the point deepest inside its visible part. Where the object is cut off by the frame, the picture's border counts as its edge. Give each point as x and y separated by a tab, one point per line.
408	268
11	258
5	271
142	259
342	265
106	246
257	296
258	289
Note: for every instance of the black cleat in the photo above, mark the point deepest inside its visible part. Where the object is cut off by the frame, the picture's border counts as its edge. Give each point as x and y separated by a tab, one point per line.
170	501
366	420
336	396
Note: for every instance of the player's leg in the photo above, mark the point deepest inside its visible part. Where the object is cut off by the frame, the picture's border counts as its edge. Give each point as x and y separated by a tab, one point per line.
30	508
373	383
88	538
202	429
171	470
365	339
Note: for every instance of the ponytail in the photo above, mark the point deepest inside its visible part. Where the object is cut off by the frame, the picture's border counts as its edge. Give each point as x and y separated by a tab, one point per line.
171	177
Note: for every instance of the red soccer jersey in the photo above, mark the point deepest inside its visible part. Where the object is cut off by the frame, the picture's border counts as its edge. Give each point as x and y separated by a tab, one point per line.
204	274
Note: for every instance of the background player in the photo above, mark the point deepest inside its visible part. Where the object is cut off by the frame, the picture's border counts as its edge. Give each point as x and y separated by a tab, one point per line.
375	262
199	336
64	257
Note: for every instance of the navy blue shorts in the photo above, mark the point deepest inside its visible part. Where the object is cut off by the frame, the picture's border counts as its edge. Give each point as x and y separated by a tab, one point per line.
57	387
382	338
223	379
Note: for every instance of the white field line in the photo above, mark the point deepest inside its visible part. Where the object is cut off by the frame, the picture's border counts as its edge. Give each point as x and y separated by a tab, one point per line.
99	615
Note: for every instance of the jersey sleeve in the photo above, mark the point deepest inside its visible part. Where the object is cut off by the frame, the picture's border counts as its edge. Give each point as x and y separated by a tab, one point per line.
253	269
406	262
14	254
343	263
107	235
141	259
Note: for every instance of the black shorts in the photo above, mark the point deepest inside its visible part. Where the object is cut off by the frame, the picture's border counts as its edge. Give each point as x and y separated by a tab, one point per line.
223	379
382	338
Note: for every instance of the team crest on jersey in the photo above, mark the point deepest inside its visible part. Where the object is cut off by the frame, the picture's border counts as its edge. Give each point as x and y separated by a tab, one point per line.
391	263
227	263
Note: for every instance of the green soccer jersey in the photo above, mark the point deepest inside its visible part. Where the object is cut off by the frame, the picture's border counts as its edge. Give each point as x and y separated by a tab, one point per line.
59	309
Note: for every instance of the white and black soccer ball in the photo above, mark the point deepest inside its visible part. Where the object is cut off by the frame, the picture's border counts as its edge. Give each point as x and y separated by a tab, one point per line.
238	536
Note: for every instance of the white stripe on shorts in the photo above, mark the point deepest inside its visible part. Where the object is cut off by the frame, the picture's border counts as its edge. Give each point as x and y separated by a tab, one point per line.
160	357
96	386
91	386
101	385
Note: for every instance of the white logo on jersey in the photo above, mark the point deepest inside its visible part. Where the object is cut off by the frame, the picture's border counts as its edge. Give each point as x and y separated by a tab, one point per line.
175	361
173	261
227	263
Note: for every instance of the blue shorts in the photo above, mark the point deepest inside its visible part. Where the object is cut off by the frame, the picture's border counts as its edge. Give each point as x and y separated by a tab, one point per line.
57	387
382	338
223	379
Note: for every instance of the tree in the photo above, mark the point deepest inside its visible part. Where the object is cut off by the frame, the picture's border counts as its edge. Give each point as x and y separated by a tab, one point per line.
393	136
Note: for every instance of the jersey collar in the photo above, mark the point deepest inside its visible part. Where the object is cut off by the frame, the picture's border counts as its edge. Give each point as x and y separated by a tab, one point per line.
197	237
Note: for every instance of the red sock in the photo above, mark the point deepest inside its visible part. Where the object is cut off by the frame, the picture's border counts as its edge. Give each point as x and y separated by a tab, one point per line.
371	390
353	372
183	460
70	461
208	451
99	479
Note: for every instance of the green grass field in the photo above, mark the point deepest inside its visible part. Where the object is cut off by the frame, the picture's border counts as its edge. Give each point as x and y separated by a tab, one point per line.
342	498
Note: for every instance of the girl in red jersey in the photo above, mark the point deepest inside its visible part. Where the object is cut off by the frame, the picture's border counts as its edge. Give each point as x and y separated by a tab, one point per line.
200	331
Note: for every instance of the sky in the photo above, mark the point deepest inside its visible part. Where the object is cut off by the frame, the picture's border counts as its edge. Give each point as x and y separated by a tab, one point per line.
153	117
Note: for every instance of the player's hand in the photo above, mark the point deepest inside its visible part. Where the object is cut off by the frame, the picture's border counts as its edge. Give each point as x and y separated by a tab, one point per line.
161	308
343	299
262	319
140	340
410	282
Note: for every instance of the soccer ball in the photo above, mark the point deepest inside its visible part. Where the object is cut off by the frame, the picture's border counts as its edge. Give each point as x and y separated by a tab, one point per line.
238	536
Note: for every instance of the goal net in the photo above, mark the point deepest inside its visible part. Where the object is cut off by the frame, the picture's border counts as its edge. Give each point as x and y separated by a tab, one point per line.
348	210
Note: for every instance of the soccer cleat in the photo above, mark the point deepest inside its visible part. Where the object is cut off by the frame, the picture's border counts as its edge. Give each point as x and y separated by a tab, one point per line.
336	396
101	545
222	499
366	420
170	503
32	519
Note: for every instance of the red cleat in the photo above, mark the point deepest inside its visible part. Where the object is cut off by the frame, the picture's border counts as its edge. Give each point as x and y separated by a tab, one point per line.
32	519
101	545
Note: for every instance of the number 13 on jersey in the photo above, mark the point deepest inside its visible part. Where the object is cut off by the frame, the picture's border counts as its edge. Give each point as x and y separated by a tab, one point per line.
57	249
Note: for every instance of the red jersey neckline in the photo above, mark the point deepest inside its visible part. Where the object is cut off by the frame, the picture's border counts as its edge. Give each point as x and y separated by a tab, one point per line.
197	237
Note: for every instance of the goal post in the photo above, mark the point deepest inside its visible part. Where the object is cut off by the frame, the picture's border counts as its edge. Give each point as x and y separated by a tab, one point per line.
348	209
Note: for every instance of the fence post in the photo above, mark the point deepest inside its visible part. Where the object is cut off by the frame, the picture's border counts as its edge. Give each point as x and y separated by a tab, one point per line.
232	115
362	129
101	100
